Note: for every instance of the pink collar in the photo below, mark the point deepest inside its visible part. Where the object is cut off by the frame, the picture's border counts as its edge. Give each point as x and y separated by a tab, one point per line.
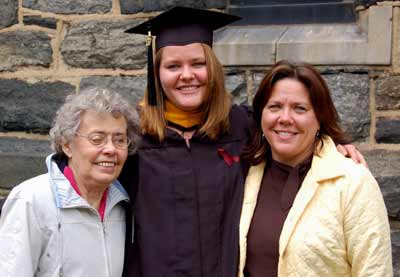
70	177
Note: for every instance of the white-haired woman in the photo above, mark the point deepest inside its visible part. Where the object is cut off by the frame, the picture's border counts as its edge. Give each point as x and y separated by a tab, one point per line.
71	221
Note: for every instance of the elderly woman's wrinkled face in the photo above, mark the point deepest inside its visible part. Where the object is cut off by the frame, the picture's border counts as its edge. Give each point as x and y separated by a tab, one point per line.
96	161
289	122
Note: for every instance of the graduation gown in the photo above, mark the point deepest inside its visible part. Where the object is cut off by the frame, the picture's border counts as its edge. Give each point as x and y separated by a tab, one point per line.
186	203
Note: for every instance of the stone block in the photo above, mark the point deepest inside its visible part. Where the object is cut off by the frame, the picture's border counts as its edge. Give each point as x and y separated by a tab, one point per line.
131	88
130	7
69	6
388	93
24	49
2	200
98	44
395	235
340	43
387	130
30	107
322	44
247	46
350	93
4	193
379	46
385	165
8	13
235	83
50	23
21	159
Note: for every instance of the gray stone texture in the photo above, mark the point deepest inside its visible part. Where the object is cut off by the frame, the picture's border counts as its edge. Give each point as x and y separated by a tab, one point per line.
97	44
235	83
24	49
388	93
30	107
129	6
396	252
8	13
69	6
387	130
350	93
21	159
385	165
131	88
257	78
50	23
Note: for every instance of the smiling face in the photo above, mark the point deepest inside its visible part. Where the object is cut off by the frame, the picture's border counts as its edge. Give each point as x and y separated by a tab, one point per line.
289	122
183	75
96	167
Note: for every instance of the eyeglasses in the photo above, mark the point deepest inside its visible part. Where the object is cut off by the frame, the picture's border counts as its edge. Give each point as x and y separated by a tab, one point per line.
100	139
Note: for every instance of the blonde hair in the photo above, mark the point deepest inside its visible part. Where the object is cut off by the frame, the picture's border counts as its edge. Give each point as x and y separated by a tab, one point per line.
215	119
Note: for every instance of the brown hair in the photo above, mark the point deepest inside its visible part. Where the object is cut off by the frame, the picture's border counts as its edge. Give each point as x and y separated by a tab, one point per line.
216	107
320	99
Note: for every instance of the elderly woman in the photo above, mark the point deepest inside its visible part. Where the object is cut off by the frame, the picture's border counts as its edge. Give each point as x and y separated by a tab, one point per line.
307	210
71	221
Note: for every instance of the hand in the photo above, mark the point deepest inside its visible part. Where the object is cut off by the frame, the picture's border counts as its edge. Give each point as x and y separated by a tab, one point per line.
349	150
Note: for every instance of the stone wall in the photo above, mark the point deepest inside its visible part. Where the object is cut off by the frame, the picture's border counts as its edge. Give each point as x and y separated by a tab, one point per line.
49	49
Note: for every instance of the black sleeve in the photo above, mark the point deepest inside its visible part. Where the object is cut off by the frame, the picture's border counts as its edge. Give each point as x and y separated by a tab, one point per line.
248	113
129	176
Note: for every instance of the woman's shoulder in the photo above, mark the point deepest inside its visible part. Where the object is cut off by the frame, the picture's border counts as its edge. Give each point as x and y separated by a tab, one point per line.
355	180
35	192
32	187
32	197
332	165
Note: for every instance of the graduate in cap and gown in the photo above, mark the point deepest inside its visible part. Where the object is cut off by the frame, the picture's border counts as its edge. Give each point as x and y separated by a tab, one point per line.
186	181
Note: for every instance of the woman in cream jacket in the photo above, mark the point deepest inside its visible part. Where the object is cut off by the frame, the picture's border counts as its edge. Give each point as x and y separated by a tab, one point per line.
307	210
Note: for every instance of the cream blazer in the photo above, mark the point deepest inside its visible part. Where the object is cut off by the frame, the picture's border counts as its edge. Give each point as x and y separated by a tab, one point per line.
337	226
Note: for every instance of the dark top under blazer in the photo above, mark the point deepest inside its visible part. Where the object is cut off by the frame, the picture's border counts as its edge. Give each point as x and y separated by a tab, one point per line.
186	204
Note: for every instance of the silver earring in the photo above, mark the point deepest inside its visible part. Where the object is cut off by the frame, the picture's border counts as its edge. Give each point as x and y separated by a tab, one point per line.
317	134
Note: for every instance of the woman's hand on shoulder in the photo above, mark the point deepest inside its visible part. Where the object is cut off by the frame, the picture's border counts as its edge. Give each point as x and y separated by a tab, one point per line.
349	150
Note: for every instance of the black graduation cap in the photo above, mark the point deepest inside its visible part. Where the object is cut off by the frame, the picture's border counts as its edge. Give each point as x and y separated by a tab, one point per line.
179	26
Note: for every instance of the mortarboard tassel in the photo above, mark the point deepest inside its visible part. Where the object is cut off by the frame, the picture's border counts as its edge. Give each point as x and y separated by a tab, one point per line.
151	87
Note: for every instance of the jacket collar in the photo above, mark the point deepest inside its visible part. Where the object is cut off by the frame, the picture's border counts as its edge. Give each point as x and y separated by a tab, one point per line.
328	164
66	197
